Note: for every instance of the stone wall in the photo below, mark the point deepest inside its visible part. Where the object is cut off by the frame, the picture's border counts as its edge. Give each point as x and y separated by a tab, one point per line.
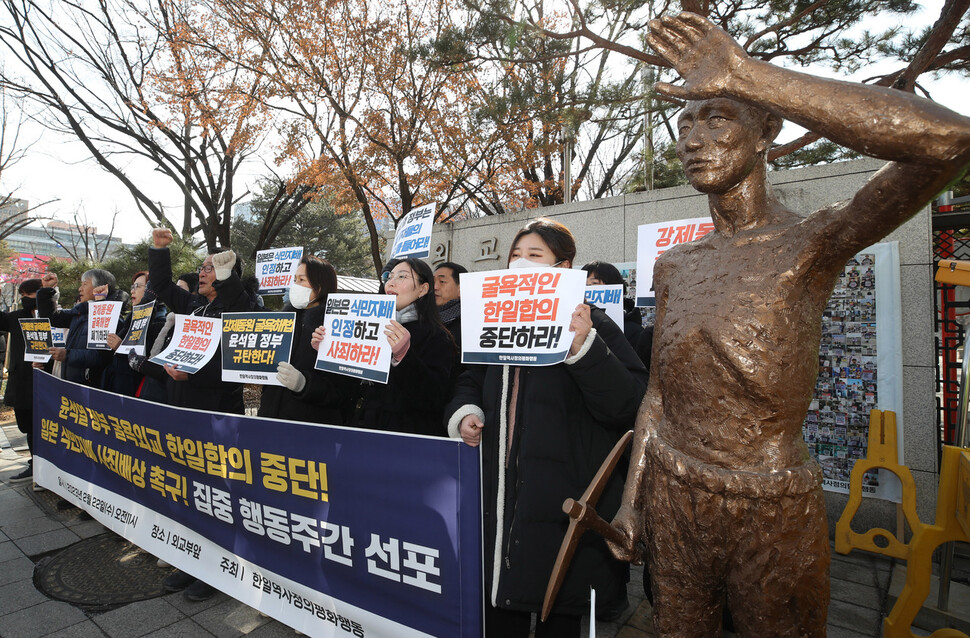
606	229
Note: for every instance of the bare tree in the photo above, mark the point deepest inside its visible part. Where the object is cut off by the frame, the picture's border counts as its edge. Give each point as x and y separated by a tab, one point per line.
83	242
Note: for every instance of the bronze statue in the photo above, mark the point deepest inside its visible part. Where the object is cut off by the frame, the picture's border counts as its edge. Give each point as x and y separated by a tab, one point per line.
721	487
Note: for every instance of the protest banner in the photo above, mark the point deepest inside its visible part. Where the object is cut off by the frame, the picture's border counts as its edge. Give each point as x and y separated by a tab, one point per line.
276	268
193	344
333	531
102	321
254	344
37	339
519	316
356	345
413	236
134	341
653	240
609	298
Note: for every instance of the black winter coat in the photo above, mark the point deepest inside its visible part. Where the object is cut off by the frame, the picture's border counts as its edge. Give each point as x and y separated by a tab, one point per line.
81	365
204	390
20	375
568	417
325	397
119	377
413	399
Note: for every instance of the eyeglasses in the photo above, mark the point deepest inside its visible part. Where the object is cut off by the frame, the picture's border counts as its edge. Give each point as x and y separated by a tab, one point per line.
206	269
137	286
386	276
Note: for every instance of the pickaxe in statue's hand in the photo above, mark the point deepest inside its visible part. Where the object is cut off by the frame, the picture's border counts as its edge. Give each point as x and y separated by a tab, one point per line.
582	516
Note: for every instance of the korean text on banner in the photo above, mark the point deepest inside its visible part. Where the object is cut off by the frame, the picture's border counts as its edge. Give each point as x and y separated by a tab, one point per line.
137	335
37	339
610	299
254	344
519	316
193	345
355	344
413	236
653	240
276	268
333	531
59	337
102	321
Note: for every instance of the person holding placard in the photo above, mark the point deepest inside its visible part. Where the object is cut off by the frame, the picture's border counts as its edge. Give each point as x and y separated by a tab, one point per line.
544	431
307	394
19	393
80	364
120	377
422	357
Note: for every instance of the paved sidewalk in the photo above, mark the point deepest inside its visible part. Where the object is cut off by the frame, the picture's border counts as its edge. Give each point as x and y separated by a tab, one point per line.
31	528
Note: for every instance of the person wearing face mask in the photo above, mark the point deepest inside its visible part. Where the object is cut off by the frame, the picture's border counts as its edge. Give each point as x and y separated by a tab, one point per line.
422	358
19	393
544	431
307	394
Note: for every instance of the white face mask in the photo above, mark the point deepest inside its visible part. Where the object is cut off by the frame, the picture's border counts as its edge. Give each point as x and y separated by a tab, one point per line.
522	262
300	296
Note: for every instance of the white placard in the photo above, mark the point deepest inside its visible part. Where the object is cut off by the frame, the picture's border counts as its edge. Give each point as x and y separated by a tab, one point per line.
413	236
194	343
610	299
653	240
137	335
276	268
355	344
102	321
519	316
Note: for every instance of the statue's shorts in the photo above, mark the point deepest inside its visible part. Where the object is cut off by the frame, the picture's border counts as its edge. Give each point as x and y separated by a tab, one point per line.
757	542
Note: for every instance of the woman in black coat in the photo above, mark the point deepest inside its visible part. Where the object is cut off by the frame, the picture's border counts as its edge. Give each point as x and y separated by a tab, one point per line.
544	432
422	356
308	394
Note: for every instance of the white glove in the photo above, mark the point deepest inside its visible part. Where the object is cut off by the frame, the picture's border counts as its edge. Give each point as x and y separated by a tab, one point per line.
223	263
290	377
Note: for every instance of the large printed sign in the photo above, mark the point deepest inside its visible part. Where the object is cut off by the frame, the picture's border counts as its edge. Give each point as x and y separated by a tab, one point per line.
134	341
333	531
254	344
356	345
413	236
193	344
276	269
37	339
519	316
102	321
610	299
653	240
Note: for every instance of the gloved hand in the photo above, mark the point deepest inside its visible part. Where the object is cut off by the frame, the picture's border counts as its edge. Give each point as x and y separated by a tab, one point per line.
223	263
290	377
136	361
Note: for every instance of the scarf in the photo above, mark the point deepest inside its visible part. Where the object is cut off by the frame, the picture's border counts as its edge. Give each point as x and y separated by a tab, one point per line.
450	311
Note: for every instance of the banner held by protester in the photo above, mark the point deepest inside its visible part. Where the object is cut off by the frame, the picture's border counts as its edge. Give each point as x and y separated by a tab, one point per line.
37	339
102	321
193	344
519	316
137	335
355	344
413	236
333	531
254	344
608	297
653	240
276	268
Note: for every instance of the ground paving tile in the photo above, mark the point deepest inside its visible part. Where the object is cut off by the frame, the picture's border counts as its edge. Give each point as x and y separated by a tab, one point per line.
137	620
857	594
47	541
20	568
187	628
41	620
855	617
9	550
86	629
230	619
20	595
21	528
191	608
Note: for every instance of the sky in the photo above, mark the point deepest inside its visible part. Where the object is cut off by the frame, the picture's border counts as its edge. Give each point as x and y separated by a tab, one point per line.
58	168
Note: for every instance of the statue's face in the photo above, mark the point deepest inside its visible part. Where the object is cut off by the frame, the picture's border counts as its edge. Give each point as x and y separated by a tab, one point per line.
719	143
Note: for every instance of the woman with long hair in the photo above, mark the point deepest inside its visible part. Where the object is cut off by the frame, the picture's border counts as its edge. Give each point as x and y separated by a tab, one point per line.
544	431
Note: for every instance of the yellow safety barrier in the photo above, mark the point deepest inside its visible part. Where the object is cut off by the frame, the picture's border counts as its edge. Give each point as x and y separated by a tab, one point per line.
882	454
953	272
952	512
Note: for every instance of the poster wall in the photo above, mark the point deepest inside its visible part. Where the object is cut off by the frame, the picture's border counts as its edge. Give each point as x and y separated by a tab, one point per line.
333	531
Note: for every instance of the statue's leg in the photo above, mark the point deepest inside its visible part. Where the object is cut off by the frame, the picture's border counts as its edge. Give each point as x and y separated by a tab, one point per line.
684	550
778	583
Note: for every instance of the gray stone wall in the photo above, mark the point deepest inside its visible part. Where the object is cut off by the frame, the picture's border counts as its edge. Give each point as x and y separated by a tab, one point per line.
606	229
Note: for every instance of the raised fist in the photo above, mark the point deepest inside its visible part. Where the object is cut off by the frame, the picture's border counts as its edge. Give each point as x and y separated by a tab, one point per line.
223	263
161	237
49	280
